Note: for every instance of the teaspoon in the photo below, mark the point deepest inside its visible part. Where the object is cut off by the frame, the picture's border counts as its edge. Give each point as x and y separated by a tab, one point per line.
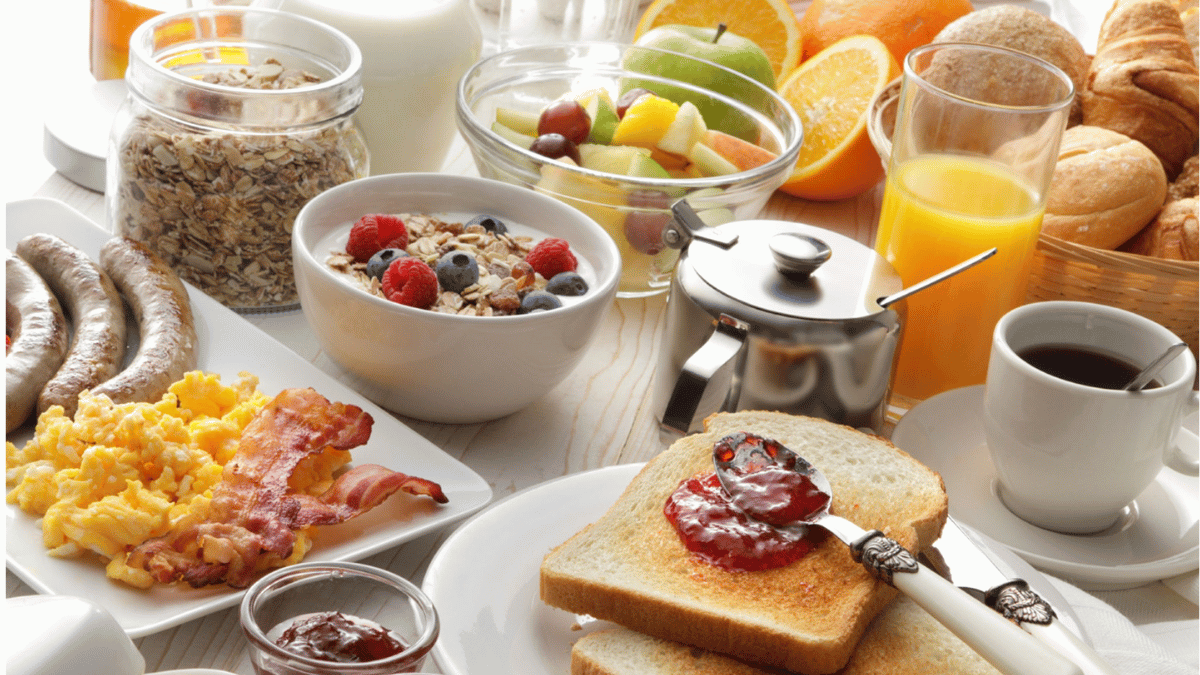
1149	372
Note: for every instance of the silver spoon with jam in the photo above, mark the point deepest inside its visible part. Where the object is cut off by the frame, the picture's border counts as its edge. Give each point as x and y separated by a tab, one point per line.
772	484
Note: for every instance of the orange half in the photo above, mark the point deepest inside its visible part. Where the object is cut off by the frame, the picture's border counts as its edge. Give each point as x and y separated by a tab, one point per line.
832	94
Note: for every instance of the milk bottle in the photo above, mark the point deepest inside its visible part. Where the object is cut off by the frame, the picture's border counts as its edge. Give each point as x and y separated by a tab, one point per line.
414	53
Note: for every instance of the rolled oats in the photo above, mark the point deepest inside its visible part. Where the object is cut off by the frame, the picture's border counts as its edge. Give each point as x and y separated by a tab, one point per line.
503	273
218	204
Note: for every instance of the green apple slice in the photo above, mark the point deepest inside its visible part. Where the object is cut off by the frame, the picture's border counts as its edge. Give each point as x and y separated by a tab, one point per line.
602	112
609	158
685	130
622	160
512	136
710	162
519	121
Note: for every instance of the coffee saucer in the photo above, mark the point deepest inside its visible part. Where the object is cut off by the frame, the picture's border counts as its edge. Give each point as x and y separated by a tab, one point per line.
1157	536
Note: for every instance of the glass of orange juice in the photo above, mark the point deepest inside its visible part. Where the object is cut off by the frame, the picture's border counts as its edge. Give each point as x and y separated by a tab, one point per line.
976	141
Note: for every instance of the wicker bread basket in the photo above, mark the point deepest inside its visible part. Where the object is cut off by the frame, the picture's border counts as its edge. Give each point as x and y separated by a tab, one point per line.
1166	291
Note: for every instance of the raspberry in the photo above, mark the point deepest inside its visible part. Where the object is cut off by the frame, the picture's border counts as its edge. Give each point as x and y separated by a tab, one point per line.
412	282
373	232
551	256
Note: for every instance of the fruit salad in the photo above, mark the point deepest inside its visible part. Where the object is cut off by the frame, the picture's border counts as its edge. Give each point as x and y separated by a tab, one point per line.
484	267
640	134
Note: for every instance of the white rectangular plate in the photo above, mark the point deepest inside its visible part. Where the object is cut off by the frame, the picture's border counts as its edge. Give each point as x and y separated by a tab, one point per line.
228	344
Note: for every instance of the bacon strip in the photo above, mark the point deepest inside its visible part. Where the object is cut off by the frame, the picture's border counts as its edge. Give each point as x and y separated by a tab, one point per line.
252	514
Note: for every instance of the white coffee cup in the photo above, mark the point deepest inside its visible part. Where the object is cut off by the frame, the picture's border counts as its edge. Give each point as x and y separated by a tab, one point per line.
1071	457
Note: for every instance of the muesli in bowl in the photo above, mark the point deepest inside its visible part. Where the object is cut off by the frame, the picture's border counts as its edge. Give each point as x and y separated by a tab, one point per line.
480	267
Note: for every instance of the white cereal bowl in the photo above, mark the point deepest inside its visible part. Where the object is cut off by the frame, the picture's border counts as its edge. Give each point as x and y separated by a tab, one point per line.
442	367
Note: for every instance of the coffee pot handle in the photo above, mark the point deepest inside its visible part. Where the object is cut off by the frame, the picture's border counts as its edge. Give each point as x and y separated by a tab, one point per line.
720	348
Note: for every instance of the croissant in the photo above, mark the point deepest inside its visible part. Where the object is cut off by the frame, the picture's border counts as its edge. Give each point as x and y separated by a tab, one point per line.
1173	234
1143	80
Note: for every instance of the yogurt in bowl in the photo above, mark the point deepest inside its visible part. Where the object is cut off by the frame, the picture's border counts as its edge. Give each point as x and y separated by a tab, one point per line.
436	366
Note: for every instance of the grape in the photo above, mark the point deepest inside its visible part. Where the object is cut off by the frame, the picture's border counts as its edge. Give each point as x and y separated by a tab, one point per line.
627	99
555	146
644	226
566	118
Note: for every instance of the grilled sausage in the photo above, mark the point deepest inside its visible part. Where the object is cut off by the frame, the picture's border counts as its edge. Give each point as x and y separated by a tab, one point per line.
164	315
40	339
97	314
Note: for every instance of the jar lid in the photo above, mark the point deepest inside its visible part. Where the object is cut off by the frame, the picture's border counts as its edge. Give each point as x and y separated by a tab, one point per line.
796	270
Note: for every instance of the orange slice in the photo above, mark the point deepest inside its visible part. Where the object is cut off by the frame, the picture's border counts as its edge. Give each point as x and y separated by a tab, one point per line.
771	24
900	24
832	93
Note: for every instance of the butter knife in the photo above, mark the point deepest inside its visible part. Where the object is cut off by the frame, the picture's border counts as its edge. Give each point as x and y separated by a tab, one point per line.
973	571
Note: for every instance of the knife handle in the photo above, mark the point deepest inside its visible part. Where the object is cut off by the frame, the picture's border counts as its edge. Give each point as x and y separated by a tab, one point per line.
999	641
1016	601
1063	641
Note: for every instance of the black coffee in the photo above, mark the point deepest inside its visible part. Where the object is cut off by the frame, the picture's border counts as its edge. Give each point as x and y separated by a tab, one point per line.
1083	366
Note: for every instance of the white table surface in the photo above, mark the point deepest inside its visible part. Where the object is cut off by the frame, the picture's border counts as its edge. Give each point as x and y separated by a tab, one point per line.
599	416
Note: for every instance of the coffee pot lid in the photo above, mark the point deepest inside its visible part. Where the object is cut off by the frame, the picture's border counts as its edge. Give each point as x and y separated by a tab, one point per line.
793	269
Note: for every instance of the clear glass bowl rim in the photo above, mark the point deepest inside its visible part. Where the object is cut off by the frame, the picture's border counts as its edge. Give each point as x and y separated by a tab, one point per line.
476	131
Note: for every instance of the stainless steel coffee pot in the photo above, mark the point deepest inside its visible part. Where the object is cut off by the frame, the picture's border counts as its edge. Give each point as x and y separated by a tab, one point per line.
775	315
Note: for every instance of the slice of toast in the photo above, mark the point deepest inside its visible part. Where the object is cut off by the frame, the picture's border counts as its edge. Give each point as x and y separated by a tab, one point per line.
631	568
902	640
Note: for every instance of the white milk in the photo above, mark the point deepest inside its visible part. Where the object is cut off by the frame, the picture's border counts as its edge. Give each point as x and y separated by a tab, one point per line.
414	52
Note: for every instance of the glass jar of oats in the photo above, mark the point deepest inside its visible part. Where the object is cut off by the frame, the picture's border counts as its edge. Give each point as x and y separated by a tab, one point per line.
235	118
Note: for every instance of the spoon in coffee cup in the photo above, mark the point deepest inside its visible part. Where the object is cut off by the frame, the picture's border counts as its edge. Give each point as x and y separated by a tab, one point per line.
772	484
1151	371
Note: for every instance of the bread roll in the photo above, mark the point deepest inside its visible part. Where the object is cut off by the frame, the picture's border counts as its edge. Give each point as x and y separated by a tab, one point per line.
1187	183
1143	80
1106	187
1173	235
1025	31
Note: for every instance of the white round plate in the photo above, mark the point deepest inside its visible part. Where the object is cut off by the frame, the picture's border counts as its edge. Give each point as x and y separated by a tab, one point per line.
1159	537
484	579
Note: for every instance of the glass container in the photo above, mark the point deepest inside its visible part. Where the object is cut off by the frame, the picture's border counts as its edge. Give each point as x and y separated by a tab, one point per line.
632	209
235	118
363	594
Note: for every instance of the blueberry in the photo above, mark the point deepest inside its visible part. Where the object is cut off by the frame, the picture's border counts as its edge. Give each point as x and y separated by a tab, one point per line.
567	283
457	270
537	301
490	223
382	260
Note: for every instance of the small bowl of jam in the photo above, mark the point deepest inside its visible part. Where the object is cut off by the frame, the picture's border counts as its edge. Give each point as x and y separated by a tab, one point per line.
337	618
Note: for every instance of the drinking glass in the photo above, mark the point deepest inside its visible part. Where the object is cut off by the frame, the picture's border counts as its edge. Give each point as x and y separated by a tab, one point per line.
508	24
976	141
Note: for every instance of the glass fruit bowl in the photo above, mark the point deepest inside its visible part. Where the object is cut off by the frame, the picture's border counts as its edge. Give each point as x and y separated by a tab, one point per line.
630	199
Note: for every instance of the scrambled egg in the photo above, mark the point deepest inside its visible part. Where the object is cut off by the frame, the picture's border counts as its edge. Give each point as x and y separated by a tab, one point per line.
118	475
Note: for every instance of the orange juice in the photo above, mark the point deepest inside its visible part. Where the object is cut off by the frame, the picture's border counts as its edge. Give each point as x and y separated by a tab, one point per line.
113	21
939	210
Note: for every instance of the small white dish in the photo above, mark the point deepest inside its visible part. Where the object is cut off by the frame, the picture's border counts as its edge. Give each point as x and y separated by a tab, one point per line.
229	344
53	634
1157	537
484	578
